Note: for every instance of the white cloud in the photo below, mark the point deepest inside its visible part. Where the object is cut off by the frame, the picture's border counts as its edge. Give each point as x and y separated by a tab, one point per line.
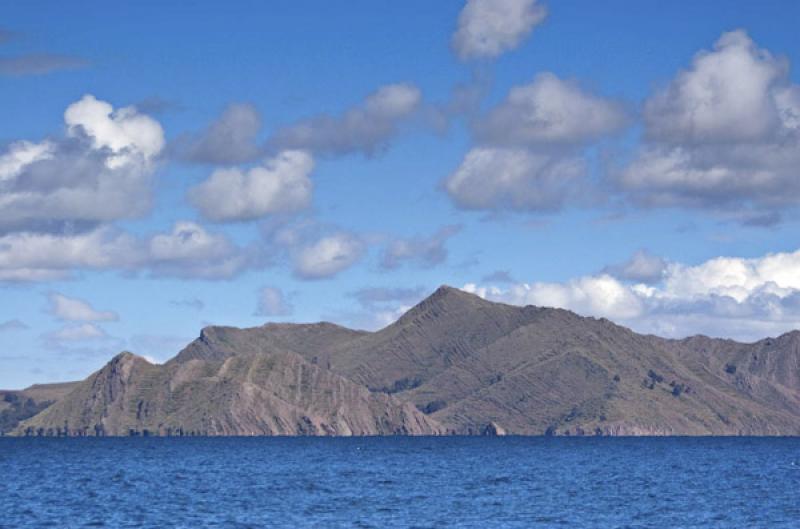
724	134
730	177
725	296
187	240
100	172
124	131
327	256
728	94
425	251
598	296
518	179
73	309
488	28
528	156
187	250
733	277
550	110
365	128
280	185
229	139
77	333
392	101
315	250
642	267
20	154
45	256
273	302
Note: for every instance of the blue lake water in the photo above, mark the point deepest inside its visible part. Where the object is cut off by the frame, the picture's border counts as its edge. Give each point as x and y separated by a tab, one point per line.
400	482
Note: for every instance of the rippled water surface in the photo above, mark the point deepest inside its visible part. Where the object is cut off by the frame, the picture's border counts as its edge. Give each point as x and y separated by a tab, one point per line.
400	482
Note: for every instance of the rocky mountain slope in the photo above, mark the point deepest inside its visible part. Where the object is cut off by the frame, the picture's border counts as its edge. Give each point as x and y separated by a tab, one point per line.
218	343
264	394
455	363
16	406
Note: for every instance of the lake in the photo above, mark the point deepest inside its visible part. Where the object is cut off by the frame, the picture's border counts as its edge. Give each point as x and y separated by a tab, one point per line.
446	482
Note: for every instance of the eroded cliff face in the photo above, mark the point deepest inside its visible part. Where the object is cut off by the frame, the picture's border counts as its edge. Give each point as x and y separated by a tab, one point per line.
455	363
270	394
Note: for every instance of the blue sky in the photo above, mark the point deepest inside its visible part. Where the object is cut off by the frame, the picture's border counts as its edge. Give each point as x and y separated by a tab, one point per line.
163	168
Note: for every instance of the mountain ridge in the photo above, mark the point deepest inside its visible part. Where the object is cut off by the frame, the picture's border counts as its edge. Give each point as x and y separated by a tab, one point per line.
270	394
457	363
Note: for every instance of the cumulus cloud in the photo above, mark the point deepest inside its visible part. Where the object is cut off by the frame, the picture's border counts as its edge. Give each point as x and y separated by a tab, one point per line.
731	93
77	333
596	295
550	111
280	185
528	155
187	250
38	64
642	267
273	302
327	256
190	251
314	250
20	154
725	296
73	309
424	251
366	128
101	170
124	132
501	178
46	256
464	101
488	28
229	139
724	134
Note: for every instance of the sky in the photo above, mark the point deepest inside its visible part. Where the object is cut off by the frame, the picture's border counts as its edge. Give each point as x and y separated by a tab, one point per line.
165	166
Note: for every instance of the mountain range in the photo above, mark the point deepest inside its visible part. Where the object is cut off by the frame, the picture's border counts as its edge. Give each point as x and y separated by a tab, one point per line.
453	364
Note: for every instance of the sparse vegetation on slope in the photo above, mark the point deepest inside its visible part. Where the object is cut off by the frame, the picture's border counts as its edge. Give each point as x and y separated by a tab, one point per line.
250	394
17	406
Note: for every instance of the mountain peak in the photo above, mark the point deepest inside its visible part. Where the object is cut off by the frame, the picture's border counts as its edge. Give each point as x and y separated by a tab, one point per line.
444	299
474	365
448	292
126	356
211	330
